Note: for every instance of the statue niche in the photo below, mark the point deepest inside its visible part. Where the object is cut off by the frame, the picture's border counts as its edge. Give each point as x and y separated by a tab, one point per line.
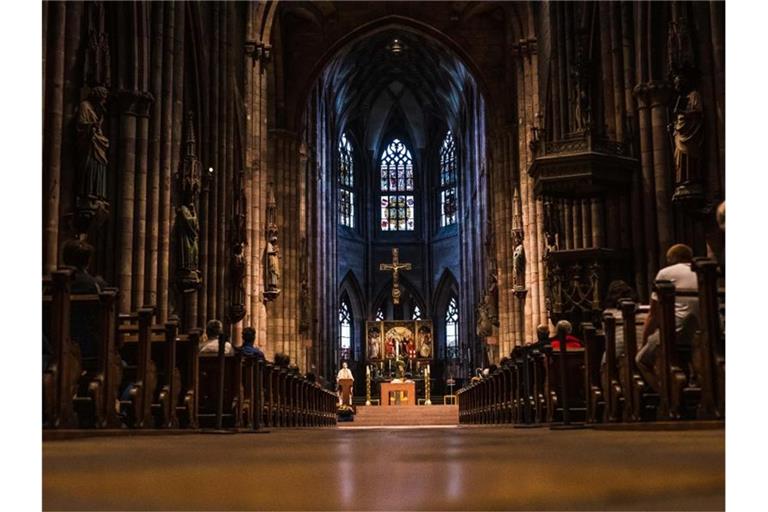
687	126
237	263
186	226
92	147
271	251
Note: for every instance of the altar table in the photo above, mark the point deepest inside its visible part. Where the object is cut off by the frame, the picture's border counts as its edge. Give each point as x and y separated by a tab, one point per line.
398	393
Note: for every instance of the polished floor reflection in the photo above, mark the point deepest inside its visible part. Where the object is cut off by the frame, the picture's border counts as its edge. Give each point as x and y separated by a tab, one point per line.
461	468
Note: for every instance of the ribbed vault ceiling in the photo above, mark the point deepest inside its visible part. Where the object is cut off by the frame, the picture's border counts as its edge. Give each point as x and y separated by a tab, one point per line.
370	79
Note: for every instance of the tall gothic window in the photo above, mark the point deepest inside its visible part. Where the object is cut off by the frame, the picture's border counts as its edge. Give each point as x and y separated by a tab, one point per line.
452	330
416	314
380	314
448	202
345	329
397	199
346	183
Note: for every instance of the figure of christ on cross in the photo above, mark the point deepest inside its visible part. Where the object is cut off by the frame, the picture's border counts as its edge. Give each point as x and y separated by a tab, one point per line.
395	267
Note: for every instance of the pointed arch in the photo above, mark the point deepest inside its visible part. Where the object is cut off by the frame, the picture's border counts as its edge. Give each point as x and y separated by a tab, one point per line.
350	293
410	298
447	290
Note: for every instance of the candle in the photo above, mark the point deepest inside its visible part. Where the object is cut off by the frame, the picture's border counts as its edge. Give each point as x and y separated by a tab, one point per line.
367	370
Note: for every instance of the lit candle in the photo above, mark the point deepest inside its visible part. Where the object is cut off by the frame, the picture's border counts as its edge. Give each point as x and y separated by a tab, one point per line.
367	370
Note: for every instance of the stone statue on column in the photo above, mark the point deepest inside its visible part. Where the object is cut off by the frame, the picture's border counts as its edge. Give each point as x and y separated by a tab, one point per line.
582	98
687	126
186	227
272	251
237	263
518	261
92	148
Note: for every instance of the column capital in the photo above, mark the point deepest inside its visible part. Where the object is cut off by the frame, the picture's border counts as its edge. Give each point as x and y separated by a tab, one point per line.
135	103
258	51
525	47
653	93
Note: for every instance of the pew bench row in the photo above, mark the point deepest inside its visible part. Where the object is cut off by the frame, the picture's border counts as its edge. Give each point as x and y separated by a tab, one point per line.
109	371
598	383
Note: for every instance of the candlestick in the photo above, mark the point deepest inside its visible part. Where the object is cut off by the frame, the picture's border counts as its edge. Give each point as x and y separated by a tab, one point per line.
367	385
427	401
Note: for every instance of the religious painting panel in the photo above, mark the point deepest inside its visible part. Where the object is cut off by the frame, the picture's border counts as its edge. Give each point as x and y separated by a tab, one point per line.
399	339
375	340
425	347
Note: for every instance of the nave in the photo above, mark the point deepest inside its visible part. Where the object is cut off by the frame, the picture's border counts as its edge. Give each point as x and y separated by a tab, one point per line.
460	468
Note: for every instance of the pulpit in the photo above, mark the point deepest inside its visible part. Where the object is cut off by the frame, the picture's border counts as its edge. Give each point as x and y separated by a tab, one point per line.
398	393
345	388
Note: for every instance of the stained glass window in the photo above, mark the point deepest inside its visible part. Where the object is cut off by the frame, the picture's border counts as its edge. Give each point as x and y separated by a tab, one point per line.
452	330
345	329
448	201
397	205
416	314
380	314
347	183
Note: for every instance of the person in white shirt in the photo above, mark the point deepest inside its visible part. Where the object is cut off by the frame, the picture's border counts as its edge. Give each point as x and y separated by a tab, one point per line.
679	258
344	373
213	331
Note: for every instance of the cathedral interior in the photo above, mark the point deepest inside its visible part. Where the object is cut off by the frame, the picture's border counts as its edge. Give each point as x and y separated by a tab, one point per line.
322	177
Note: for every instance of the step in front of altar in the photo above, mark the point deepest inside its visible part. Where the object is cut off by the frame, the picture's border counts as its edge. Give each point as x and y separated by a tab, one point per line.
404	415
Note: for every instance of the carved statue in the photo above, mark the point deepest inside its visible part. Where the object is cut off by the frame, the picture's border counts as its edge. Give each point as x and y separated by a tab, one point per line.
687	127
688	131
237	263
518	262
580	71
187	230
92	146
273	261
484	324
551	228
492	299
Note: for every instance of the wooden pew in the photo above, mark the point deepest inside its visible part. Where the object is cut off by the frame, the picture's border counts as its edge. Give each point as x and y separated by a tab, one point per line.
208	386
709	349
188	365
678	395
61	376
594	347
94	316
574	380
640	400
615	394
140	373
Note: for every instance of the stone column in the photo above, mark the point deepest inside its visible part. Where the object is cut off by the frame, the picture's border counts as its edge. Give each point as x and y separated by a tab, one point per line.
651	255
166	128
153	179
660	94
132	105
53	125
140	215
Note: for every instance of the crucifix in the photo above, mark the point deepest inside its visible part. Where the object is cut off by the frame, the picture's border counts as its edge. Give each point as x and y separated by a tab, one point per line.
395	267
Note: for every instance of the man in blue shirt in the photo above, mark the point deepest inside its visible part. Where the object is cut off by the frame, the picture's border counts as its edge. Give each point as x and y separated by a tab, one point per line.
249	349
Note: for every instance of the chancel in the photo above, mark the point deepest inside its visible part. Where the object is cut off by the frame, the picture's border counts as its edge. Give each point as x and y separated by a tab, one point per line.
361	229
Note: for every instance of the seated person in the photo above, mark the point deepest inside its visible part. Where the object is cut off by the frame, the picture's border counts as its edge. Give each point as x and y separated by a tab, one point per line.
210	345
542	337
679	258
571	341
249	349
282	360
76	254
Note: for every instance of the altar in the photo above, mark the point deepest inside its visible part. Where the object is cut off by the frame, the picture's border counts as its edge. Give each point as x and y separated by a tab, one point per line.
398	393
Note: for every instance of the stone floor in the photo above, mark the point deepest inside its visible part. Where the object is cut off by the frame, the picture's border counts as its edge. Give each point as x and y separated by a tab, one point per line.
465	468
